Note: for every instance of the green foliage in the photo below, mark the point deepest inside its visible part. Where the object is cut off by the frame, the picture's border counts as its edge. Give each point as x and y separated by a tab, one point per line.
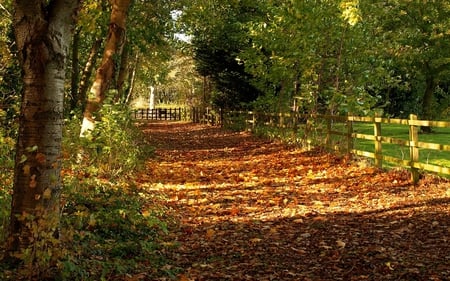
410	45
219	35
111	229
7	145
269	103
235	122
115	147
10	84
275	133
333	56
107	231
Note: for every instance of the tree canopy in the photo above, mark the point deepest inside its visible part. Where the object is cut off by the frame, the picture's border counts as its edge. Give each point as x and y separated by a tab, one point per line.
330	55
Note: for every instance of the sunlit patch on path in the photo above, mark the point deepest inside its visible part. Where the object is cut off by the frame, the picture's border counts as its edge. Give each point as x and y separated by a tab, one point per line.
251	209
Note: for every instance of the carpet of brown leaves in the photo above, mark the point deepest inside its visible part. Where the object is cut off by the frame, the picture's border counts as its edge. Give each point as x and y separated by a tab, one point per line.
250	209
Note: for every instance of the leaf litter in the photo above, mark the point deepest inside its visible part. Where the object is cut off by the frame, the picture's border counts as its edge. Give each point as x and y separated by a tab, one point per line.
253	209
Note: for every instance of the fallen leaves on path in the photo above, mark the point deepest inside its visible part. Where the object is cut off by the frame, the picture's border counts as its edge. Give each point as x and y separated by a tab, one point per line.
251	209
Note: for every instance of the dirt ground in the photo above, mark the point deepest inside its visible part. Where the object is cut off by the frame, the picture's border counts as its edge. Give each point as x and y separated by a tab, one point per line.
252	209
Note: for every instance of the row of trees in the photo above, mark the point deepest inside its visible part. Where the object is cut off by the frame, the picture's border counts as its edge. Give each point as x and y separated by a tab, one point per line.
44	42
328	55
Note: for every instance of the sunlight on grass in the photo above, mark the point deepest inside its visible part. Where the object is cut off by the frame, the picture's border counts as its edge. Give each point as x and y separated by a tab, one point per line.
439	136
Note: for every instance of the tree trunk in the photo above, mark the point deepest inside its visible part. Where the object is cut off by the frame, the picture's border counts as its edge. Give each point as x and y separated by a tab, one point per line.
105	72
123	74
87	71
75	73
132	80
42	31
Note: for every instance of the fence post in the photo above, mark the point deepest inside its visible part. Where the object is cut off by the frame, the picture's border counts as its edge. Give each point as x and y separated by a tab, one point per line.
349	134
378	143
413	149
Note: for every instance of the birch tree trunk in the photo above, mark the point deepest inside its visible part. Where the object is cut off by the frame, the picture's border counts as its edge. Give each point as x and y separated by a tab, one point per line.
106	70
43	32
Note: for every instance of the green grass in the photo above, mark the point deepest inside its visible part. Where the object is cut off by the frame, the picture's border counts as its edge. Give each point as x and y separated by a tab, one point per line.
429	156
317	137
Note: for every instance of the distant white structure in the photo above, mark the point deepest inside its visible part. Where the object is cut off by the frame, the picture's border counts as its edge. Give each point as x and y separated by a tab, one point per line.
152	98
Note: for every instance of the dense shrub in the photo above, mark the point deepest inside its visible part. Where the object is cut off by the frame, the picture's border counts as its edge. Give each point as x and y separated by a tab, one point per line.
115	147
7	145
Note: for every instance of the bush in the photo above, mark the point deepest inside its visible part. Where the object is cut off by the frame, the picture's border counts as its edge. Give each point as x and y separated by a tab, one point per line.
7	145
115	147
109	228
108	231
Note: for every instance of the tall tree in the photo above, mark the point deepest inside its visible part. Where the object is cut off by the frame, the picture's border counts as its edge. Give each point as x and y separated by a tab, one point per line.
414	44
42	33
91	28
218	35
106	71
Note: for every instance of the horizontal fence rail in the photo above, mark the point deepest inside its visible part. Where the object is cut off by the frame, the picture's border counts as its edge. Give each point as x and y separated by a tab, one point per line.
170	114
342	133
202	115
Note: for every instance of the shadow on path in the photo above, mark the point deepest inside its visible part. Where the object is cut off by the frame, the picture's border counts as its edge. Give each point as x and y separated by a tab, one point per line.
250	209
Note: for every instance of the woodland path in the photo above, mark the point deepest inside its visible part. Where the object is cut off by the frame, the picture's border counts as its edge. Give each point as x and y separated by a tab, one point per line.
252	209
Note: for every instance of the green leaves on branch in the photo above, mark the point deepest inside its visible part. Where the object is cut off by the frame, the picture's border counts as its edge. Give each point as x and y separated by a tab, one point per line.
329	55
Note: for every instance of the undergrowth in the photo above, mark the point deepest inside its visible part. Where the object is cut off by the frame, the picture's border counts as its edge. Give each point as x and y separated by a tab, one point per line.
7	145
110	229
116	147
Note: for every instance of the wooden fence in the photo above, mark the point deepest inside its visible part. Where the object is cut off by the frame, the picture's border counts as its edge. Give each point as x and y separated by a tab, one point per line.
339	133
206	116
193	114
170	114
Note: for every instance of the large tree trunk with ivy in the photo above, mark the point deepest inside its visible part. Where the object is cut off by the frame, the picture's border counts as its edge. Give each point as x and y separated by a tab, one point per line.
106	70
42	31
